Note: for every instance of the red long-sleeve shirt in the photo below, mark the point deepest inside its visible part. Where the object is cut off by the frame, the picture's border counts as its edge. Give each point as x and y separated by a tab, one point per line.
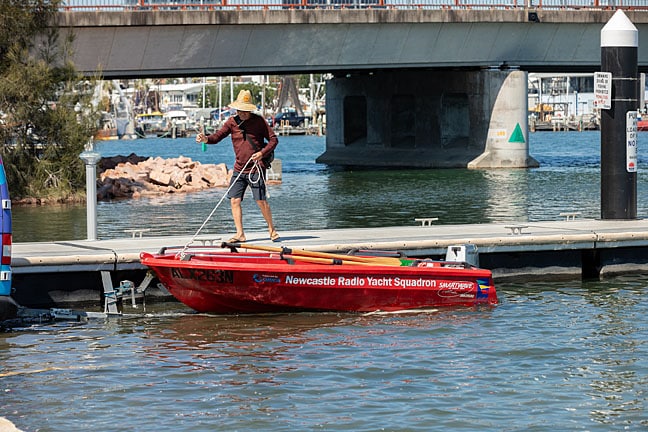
257	131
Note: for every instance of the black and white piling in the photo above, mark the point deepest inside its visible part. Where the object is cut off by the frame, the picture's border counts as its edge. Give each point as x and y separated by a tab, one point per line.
619	47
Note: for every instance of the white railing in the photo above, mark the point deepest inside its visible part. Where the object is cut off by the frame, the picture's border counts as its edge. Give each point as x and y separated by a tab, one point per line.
119	5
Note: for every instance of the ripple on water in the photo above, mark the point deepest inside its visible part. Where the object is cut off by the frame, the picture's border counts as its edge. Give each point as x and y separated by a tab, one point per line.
559	356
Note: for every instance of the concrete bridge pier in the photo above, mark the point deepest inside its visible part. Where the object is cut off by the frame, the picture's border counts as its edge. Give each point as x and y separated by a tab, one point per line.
507	137
428	119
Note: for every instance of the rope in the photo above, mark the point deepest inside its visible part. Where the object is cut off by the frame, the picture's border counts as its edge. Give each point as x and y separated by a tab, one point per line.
255	166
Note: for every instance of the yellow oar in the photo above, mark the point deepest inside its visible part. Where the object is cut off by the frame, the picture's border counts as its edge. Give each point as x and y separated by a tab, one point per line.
330	261
301	252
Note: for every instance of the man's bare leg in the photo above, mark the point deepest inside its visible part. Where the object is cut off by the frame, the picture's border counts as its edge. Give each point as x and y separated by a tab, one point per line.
237	215
267	215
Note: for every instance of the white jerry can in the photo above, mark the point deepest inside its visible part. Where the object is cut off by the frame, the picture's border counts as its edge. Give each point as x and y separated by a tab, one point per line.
463	253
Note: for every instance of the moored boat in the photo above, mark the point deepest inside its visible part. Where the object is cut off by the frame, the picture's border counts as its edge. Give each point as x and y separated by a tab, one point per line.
177	124
149	124
642	124
214	280
108	129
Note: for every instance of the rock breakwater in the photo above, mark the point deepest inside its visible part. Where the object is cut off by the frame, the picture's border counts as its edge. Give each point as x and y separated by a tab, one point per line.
135	176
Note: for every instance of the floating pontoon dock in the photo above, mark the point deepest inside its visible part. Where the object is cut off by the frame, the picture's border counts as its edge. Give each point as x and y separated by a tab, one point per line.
47	274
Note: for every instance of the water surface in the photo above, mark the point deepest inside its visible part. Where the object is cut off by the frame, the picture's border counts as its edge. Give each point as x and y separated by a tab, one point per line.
567	356
314	196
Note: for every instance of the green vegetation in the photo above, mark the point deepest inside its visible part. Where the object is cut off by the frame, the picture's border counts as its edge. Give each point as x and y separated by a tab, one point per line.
46	115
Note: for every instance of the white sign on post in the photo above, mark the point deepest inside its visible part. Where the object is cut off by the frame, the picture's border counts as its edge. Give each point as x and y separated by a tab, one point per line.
642	91
631	141
603	90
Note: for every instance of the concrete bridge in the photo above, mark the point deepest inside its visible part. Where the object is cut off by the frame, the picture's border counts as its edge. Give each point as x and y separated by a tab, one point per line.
415	88
131	44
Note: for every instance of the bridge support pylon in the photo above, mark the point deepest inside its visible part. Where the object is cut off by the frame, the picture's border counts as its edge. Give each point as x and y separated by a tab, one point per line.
428	119
507	139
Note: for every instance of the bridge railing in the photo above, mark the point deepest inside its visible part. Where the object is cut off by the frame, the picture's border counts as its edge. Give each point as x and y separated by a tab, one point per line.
123	5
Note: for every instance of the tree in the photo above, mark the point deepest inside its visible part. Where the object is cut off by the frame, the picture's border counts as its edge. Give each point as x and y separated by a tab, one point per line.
211	96
45	106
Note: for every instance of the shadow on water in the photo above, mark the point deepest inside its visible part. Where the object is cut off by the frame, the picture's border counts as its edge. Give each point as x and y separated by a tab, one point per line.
202	331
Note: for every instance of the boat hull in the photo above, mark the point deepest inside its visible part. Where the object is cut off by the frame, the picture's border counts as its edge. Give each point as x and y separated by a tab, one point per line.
642	125
223	282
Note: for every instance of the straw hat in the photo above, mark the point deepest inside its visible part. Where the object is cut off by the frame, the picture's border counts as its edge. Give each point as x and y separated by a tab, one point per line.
244	101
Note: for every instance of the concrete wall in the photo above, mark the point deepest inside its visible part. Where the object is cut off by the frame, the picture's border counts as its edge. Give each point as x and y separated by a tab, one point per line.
427	119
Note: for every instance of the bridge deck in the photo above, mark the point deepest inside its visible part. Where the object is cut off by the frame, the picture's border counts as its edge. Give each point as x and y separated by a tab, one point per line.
148	44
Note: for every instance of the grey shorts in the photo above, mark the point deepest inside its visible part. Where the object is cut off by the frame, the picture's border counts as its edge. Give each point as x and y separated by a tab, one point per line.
254	181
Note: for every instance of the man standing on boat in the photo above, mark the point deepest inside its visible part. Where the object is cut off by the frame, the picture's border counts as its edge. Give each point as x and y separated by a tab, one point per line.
249	133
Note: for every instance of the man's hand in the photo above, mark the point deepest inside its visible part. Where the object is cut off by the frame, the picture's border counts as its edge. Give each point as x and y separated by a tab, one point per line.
201	138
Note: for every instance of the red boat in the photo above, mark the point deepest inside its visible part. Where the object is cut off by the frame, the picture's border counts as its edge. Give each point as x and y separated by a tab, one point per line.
642	125
282	280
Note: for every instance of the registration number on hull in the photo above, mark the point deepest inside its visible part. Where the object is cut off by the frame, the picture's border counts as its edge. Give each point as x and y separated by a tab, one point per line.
203	275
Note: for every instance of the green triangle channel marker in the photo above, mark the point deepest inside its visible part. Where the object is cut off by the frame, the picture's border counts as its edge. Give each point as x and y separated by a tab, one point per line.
517	136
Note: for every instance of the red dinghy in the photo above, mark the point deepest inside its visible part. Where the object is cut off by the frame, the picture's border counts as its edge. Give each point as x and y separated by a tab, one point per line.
229	281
